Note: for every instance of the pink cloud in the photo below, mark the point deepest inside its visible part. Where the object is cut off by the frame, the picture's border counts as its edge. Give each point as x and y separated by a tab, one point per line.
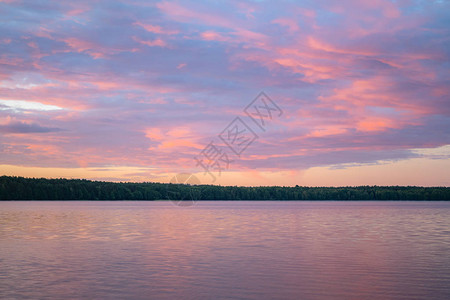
153	43
156	29
214	36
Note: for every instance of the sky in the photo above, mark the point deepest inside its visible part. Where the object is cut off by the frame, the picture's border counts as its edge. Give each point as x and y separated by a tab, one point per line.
355	92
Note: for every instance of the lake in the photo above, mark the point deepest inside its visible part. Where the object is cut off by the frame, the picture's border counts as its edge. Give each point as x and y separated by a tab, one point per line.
225	250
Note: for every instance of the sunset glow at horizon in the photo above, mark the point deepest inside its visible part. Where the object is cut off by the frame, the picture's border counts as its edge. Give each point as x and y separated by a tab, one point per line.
135	90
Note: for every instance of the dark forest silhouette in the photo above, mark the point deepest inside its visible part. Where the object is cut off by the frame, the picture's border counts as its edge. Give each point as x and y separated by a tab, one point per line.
20	188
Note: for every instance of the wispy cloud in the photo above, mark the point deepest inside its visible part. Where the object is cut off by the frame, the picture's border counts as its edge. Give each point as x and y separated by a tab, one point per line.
27	105
20	127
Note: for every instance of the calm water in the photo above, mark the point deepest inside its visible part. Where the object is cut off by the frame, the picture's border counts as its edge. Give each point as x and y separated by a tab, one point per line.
225	250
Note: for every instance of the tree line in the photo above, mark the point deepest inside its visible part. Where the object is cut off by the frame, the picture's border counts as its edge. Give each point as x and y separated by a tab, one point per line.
20	188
